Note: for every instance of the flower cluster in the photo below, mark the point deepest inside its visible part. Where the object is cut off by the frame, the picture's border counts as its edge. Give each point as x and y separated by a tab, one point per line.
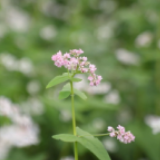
125	137
73	62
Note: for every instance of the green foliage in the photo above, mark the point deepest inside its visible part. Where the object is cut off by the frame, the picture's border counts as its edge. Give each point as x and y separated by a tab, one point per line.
66	91
76	79
58	80
88	141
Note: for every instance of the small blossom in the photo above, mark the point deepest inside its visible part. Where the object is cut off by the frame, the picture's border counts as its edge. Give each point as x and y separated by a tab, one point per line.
110	129
73	62
122	136
92	68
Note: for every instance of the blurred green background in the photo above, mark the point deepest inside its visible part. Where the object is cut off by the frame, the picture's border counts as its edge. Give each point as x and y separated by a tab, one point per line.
121	37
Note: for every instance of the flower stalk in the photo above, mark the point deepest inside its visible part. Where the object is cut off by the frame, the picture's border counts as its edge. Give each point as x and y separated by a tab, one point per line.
74	121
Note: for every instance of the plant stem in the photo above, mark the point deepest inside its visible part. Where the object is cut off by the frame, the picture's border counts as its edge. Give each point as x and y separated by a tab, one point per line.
74	121
95	135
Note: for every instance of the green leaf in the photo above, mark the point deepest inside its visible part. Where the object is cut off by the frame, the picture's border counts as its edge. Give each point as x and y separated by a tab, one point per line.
66	137
80	94
64	94
93	144
88	141
77	92
76	79
58	80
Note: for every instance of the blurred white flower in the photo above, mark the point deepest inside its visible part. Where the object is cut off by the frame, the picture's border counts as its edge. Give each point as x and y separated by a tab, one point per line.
67	158
48	32
19	136
124	116
144	39
8	61
7	108
110	144
33	87
3	30
158	43
108	6
102	88
104	32
33	106
99	124
25	66
127	57
17	20
65	115
153	122
21	133
112	97
4	149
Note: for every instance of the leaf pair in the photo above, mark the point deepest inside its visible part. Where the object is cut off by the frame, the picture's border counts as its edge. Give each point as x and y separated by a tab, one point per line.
60	79
66	91
88	141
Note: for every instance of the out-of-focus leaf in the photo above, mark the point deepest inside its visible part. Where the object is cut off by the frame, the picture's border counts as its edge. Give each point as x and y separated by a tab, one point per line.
93	144
58	80
76	79
64	94
66	137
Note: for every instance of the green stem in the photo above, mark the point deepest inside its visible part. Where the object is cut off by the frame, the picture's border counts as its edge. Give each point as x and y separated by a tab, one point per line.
95	135
74	121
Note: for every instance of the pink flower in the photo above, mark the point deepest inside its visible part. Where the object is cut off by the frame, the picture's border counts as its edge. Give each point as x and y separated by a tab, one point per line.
84	70
76	52
67	55
84	58
90	78
121	129
110	129
92	68
72	65
112	134
73	61
122	136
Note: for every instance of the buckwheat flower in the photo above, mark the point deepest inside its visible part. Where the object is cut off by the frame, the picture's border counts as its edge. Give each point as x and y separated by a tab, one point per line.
67	55
72	65
122	136
110	129
84	70
76	52
58	59
84	58
112	134
92	68
90	78
121	129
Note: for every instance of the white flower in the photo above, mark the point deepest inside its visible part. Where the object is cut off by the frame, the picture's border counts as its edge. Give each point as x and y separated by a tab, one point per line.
112	97
17	20
25	66
144	39
110	144
4	149
33	87
102	88
65	115
99	124
48	32
33	106
8	61
67	158
127	57
153	122
158	43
